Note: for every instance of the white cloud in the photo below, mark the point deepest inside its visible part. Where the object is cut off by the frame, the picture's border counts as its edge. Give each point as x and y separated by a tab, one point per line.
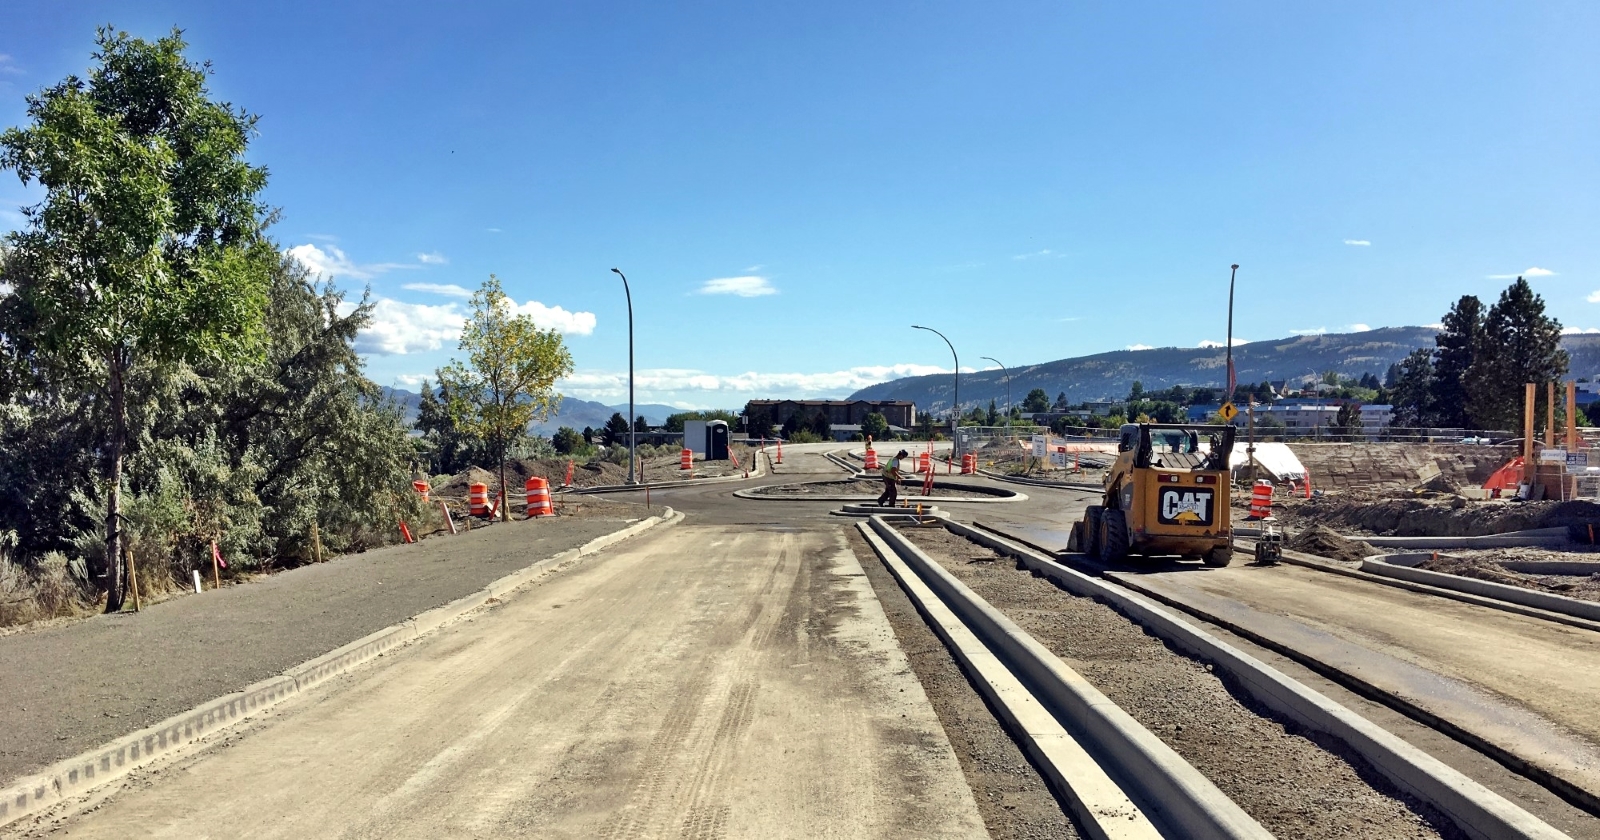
492	230
8	65
400	328
1534	271
432	258
1440	326
606	385
750	285
1361	242
1140	347
1309	331
1236	342
1579	330
412	380
1036	255
1355	328
333	263
322	237
558	319
753	269
447	289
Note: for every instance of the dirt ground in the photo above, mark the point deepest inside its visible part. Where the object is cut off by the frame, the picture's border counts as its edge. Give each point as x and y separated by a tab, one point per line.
1014	800
72	686
1428	514
597	474
1297	785
1484	564
1324	542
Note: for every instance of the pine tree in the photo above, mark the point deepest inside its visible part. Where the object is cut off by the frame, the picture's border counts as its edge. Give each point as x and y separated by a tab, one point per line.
1412	389
1452	358
1518	344
993	417
615	430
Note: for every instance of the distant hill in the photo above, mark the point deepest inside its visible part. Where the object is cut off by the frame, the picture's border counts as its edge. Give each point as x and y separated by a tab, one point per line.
574	412
1110	375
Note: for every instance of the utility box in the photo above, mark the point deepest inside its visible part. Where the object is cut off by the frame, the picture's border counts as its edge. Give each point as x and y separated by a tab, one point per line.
694	437
717	436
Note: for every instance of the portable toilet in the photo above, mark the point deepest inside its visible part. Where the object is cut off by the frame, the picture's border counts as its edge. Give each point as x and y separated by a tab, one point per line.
717	437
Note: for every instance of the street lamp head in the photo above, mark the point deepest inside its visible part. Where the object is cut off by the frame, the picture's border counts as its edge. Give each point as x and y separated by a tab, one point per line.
619	271
1235	267
915	327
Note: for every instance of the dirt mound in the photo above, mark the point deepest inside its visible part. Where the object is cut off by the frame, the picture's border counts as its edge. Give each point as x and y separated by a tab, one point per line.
553	470
1485	565
1324	542
1441	517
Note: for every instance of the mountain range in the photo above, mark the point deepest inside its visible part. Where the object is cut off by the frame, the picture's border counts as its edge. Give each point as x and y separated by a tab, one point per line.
573	412
1110	375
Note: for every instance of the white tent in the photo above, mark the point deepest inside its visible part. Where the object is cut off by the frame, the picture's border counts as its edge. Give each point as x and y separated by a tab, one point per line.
1274	461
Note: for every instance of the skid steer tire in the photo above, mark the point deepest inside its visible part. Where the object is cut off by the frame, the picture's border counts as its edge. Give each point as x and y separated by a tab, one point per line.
1090	542
1113	536
1075	538
1216	558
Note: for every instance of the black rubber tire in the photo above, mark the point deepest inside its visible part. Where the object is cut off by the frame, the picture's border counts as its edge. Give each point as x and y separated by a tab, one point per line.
1216	558
1090	544
1074	538
1113	536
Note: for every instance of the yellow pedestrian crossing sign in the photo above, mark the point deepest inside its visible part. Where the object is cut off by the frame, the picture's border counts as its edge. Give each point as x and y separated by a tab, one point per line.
1228	412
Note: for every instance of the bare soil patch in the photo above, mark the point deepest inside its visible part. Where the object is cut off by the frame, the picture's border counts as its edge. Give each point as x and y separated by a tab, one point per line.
1297	784
1432	514
1324	542
1485	564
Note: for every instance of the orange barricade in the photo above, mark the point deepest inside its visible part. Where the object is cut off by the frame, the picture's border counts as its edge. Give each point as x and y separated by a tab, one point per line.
421	487
871	459
538	491
569	475
1261	500
478	500
969	464
924	463
686	459
780	450
405	535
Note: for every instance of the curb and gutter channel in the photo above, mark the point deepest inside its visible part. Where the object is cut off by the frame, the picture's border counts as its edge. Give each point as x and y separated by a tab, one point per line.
86	771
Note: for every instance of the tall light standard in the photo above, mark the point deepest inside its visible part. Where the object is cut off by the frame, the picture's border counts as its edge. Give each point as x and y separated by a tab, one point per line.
632	432
1008	385
955	409
1231	383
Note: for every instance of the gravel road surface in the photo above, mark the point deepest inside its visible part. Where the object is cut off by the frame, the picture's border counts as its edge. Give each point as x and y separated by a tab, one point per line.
1295	784
698	682
72	687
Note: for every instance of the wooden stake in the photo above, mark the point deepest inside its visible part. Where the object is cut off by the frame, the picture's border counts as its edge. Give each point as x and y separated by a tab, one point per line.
1572	417
133	576
1550	414
1529	398
216	574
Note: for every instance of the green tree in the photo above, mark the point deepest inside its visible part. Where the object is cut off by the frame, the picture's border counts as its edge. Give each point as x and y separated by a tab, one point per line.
453	450
820	426
640	425
992	416
1518	344
1347	422
1136	392
1061	402
1412	390
1036	401
508	380
874	425
567	441
615	431
1454	350
148	243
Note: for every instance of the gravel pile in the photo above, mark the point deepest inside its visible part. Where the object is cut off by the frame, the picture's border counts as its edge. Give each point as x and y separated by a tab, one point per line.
1296	784
1325	542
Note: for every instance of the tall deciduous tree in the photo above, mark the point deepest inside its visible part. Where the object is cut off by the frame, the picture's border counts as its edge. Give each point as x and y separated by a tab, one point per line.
1455	346
1518	344
147	246
508	380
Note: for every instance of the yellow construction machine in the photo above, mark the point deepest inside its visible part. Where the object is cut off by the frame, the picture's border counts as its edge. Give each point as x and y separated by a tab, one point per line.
1167	493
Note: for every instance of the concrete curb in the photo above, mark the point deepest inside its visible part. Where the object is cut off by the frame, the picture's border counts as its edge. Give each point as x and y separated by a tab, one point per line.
1041	482
1476	810
999	495
86	771
1181	800
1386	565
1101	806
1535	537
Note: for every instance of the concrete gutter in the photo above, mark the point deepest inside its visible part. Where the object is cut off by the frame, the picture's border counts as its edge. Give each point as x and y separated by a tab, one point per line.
1099	803
1476	810
1400	566
1182	801
1514	539
86	771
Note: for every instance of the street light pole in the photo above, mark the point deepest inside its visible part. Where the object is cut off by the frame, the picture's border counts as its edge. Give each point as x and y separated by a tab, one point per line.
955	406
632	432
1231	383
1008	385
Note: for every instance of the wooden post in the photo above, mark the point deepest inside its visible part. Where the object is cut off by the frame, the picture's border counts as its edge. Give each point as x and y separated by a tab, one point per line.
1550	414
1572	416
216	574
133	576
1529	398
316	543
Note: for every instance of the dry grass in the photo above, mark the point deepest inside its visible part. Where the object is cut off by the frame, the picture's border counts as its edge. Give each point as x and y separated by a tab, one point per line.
47	590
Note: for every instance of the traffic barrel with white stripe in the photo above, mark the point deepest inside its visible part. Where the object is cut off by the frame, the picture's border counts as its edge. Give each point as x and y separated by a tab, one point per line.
538	491
478	499
969	464
871	459
686	459
1261	500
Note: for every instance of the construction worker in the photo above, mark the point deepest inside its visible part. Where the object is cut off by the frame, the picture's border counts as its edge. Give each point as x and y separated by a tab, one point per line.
891	480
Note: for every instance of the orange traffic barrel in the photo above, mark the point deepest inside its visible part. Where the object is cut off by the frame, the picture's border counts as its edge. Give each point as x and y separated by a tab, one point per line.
923	462
871	459
421	487
1261	500
478	500
538	497
969	464
686	459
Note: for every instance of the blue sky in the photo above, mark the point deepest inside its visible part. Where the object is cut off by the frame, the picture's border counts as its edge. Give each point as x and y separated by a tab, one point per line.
790	187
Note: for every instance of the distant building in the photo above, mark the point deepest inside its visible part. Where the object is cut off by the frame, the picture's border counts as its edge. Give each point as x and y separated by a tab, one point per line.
902	413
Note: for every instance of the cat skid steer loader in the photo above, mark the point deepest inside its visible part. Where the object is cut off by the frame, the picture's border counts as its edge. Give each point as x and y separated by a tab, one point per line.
1167	493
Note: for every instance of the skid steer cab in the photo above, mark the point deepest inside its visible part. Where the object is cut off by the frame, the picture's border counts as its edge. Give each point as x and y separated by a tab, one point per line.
1167	493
